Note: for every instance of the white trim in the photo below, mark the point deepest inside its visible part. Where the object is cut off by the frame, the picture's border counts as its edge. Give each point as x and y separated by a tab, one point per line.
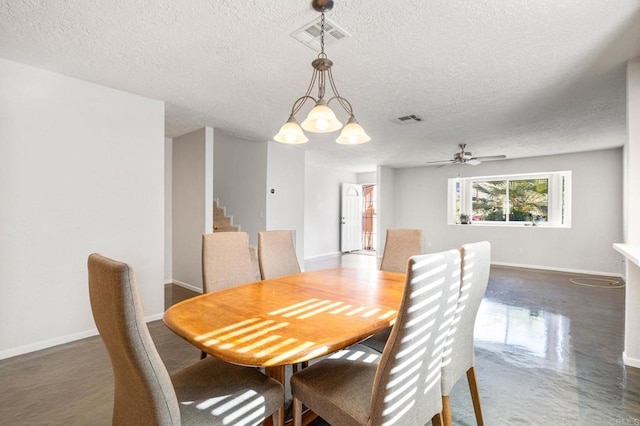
514	224
630	251
554	269
37	346
631	362
187	286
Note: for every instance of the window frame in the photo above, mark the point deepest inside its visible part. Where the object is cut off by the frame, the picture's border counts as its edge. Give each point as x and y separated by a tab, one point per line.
459	191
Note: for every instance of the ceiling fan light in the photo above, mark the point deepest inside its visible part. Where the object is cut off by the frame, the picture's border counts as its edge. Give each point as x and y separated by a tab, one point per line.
291	133
321	119
352	134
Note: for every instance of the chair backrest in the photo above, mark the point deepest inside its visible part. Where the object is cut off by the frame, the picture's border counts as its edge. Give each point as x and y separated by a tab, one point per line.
277	254
407	384
226	260
459	355
143	392
400	245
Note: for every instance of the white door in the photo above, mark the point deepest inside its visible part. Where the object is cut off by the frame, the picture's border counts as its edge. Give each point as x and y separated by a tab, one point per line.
351	217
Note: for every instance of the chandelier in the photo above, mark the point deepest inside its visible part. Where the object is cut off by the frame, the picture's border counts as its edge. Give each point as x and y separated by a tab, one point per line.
321	118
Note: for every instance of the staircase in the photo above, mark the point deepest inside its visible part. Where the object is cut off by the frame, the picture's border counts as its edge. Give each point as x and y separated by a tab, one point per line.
224	223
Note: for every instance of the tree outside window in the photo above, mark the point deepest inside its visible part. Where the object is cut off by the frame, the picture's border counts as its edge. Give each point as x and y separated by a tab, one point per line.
524	199
512	199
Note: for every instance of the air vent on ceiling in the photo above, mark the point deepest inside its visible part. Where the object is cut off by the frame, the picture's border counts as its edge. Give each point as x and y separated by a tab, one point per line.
407	119
309	34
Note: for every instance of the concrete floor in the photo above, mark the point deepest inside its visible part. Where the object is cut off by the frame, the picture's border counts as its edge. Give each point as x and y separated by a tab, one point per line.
548	352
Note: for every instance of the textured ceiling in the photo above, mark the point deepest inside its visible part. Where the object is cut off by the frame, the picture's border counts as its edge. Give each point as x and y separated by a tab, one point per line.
519	77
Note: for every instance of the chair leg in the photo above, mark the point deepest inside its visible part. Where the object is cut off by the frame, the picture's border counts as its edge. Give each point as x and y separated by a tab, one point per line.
278	417
203	354
475	395
297	412
446	411
437	420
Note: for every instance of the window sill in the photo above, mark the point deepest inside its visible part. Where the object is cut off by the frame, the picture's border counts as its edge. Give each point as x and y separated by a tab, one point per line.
511	225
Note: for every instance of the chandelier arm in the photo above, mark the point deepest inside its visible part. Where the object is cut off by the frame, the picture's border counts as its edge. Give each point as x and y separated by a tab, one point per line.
342	101
299	103
296	107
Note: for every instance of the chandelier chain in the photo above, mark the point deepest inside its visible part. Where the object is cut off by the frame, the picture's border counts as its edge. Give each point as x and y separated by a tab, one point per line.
322	34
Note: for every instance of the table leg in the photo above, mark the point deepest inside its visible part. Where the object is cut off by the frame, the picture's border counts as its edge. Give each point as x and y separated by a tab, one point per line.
278	374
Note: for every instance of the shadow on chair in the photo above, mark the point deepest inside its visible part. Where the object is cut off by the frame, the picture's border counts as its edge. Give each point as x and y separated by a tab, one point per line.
402	385
400	245
207	392
459	356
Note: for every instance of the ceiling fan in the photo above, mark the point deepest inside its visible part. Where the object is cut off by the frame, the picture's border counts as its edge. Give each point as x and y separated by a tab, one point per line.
465	157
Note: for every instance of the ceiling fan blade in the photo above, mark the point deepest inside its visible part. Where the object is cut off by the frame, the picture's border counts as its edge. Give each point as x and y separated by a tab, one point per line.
447	164
444	162
489	158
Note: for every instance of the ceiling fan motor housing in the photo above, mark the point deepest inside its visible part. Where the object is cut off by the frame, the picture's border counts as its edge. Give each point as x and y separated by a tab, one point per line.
462	157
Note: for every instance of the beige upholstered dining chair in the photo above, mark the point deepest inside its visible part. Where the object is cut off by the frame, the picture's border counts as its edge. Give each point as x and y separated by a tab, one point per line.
210	391
277	254
400	244
226	260
458	356
403	386
276	258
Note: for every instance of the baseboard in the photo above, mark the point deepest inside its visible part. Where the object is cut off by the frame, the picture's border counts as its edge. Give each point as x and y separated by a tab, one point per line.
187	286
631	362
551	268
37	346
318	256
511	265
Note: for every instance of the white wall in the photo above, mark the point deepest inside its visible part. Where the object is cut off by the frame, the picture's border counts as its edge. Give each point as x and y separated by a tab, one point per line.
420	202
192	200
285	177
631	354
367	178
322	209
81	171
168	210
240	173
386	205
632	158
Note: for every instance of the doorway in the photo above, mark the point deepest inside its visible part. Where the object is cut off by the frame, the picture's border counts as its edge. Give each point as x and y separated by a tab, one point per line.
369	220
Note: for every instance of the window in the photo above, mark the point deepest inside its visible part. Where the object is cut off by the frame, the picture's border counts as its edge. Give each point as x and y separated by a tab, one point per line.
531	199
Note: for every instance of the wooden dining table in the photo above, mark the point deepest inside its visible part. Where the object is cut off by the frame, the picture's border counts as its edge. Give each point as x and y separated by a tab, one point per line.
290	319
